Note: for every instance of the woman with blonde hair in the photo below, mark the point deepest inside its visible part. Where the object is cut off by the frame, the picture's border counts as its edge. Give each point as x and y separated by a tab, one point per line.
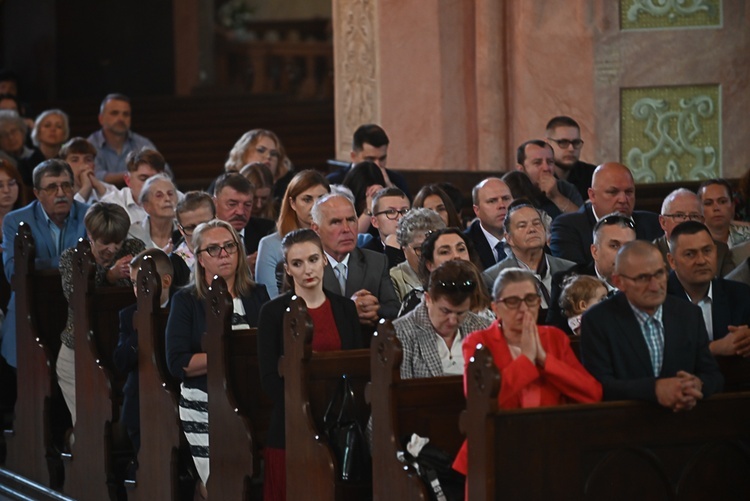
304	189
51	130
218	252
262	145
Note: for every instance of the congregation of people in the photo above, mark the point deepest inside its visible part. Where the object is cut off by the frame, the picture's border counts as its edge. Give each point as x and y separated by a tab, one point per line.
554	252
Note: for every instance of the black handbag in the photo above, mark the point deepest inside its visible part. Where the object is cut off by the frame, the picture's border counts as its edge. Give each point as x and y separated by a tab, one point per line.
345	435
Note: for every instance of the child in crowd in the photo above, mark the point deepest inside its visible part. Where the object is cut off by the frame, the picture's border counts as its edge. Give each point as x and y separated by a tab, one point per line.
580	292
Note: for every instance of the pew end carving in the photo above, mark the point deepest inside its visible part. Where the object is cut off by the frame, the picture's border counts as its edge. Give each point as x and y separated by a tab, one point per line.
234	452
310	380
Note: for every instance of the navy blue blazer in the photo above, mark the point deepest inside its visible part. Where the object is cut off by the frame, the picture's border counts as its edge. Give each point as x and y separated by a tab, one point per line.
187	325
257	228
614	351
46	255
125	358
730	303
571	235
486	253
271	348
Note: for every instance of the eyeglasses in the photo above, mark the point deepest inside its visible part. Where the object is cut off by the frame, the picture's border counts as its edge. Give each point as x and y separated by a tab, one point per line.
613	219
682	217
465	286
187	230
514	302
52	188
564	143
392	214
417	249
645	278
215	250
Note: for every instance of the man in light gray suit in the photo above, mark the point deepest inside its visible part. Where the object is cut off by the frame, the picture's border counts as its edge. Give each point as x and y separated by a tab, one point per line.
526	237
359	274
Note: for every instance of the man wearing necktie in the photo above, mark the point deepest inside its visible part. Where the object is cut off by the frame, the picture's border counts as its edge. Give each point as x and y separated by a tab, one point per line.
359	274
643	344
527	236
491	198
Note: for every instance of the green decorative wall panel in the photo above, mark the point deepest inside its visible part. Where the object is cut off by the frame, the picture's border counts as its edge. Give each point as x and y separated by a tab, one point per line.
661	14
671	134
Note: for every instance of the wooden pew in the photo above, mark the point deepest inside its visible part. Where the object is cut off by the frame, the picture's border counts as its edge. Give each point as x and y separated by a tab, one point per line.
159	392
89	466
41	311
614	450
736	371
238	411
429	407
309	382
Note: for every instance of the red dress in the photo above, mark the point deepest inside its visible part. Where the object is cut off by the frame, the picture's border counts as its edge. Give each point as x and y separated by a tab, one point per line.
524	384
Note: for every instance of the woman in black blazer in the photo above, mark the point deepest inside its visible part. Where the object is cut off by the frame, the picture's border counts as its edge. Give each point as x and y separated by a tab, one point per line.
218	251
336	327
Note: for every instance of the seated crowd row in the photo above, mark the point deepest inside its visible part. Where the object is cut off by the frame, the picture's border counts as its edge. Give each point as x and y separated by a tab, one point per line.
357	249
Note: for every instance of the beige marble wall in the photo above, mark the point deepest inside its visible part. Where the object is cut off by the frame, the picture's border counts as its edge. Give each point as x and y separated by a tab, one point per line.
460	83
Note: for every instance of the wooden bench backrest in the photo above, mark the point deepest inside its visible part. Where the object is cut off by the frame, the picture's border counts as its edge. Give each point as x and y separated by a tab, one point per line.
310	380
98	387
429	407
613	450
161	431
232	375
41	311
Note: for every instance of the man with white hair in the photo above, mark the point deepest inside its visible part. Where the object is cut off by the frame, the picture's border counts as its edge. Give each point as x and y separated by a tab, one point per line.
683	205
359	274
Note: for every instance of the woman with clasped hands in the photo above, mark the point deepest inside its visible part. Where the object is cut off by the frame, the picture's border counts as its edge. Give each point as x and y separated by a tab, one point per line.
536	363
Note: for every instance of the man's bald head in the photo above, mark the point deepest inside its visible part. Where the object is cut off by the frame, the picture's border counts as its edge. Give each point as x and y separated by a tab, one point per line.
633	253
612	189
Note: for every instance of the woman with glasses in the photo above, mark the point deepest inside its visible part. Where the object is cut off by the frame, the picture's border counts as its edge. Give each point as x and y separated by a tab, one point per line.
304	189
536	363
335	327
218	252
432	333
106	230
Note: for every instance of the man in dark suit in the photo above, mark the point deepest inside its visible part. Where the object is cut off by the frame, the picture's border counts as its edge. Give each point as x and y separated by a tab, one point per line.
684	205
370	143
491	198
233	198
610	234
359	274
564	135
612	190
643	344
725	304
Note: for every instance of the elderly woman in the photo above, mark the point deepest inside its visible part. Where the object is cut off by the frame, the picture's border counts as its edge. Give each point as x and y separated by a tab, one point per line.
335	327
13	130
536	363
305	188
158	198
107	230
410	234
218	252
443	245
432	333
51	130
261	145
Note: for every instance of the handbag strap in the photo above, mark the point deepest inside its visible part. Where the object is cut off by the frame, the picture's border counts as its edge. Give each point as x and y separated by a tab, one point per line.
345	395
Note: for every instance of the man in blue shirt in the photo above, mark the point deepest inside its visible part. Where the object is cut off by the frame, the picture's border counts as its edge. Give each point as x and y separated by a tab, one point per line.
115	141
56	223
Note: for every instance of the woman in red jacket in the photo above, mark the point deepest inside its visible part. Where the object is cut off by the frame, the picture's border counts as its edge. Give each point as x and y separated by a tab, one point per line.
536	363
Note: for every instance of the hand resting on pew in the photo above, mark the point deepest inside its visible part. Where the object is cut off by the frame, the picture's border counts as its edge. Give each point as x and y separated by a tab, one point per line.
679	393
737	342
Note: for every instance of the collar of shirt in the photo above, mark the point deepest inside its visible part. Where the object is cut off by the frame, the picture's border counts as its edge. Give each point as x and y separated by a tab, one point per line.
51	223
333	262
491	239
708	298
101	139
642	316
609	286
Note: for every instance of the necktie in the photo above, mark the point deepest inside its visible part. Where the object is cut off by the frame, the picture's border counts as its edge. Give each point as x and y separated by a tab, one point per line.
500	248
340	271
